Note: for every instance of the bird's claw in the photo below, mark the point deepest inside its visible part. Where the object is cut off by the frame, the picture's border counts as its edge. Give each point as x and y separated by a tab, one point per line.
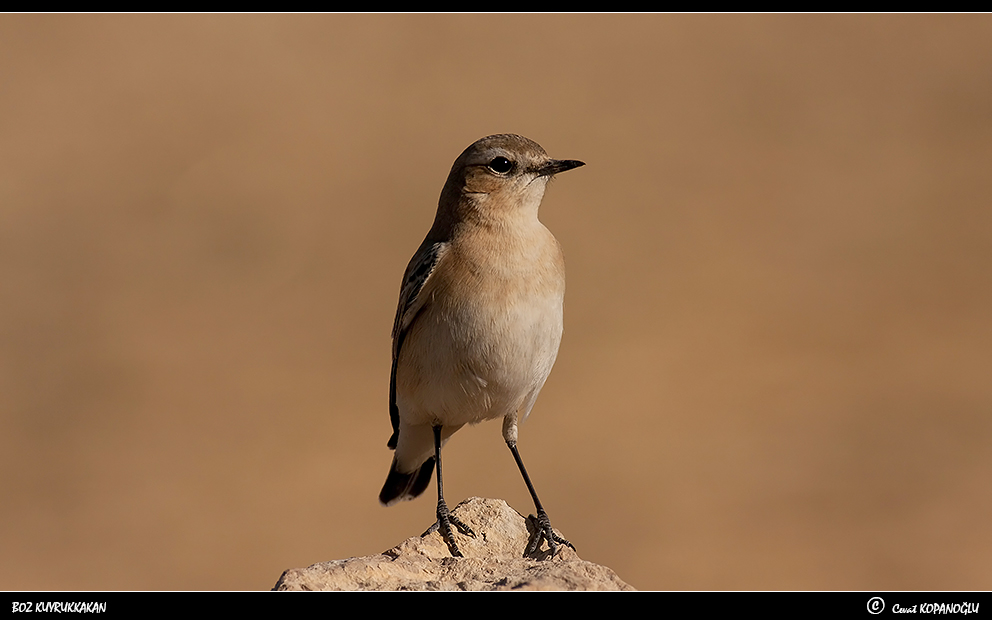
445	519
544	532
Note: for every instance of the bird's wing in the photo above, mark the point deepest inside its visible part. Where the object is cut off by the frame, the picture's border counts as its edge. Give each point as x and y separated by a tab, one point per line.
418	272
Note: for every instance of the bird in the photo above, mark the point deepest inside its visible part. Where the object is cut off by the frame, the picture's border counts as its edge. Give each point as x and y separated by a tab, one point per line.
479	321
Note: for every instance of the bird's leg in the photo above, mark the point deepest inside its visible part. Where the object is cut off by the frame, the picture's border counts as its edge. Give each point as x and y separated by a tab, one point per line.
542	529
445	519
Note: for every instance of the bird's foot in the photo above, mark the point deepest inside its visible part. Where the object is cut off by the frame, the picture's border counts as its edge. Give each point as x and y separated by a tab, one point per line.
445	519
542	532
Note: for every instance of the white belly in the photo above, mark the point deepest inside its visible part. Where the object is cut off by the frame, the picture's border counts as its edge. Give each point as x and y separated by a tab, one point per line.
467	361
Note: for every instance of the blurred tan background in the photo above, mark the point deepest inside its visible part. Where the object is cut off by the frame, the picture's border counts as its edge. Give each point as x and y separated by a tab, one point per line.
778	345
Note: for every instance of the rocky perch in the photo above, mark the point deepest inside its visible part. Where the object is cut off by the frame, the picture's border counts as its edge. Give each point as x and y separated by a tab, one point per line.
492	561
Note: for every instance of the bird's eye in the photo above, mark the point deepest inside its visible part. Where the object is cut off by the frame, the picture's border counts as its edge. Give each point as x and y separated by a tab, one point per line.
500	165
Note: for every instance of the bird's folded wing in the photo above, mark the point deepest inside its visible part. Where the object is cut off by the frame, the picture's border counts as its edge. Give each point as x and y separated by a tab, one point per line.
418	272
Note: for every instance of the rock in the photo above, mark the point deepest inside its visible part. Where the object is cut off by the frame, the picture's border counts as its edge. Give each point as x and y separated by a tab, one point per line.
493	561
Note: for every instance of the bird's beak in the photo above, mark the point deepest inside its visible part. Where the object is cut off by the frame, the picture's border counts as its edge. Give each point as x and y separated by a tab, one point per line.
558	165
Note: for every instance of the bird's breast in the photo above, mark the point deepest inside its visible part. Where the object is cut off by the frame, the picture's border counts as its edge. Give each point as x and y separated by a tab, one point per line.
487	337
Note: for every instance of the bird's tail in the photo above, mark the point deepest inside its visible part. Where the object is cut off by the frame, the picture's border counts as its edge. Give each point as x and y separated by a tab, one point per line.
401	486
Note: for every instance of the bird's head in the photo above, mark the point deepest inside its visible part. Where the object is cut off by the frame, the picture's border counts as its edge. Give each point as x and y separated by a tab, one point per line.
500	175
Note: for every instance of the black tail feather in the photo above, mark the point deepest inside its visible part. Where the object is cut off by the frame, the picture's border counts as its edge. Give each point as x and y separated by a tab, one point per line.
402	486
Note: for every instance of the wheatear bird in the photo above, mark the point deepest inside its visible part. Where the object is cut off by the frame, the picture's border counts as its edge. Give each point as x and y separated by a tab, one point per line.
479	319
